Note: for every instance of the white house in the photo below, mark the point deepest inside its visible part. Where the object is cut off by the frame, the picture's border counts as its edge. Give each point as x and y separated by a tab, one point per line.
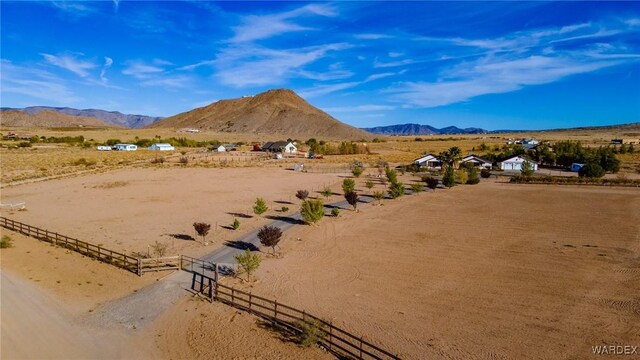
221	149
515	163
476	161
125	147
162	147
290	148
104	148
428	160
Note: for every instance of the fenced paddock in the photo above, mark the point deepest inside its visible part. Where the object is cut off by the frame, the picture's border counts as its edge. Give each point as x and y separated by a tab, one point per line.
115	258
334	339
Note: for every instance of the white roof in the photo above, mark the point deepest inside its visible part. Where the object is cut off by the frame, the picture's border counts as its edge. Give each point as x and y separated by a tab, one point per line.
518	159
162	144
426	157
471	156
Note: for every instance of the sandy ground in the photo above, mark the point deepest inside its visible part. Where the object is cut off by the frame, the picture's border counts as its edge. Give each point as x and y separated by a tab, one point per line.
489	271
127	210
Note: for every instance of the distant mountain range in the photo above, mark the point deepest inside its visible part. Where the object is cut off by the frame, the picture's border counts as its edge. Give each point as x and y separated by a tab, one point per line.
417	129
109	117
49	119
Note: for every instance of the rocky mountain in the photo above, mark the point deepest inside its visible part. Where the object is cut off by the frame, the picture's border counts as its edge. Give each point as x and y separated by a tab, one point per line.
48	119
275	112
417	129
109	117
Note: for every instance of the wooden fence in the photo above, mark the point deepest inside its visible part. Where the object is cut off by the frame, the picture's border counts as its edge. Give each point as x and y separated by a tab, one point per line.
333	338
160	264
115	258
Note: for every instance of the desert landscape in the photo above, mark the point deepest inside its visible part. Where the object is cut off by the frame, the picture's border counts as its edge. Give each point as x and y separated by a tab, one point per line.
319	180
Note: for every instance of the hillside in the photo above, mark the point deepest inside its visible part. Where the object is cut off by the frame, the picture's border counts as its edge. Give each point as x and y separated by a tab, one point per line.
417	129
109	117
48	119
275	112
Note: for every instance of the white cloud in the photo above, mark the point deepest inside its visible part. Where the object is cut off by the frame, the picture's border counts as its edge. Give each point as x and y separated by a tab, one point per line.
103	73
257	27
169	82
395	54
379	76
34	83
140	70
326	89
70	63
372	36
361	108
381	64
247	65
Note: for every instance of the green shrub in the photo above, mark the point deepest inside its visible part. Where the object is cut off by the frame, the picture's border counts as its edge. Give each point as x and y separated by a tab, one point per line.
485	173
248	262
311	332
284	209
591	170
378	195
448	179
461	176
472	173
357	171
335	212
432	183
24	144
312	211
348	185
260	207
352	199
326	192
236	224
6	242
417	188
391	174
396	189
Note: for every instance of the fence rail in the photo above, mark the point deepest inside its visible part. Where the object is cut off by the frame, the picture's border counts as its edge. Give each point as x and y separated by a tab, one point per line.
115	258
160	264
334	338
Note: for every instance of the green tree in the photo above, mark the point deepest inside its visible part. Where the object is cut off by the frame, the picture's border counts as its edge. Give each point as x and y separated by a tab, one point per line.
312	211
236	224
348	185
369	184
396	190
416	188
527	169
326	192
432	183
357	171
591	170
461	176
248	262
260	207
472	173
392	175
448	179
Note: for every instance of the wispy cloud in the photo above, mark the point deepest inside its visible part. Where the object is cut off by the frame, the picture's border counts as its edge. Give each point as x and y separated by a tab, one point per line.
35	83
141	70
326	89
247	65
360	108
179	81
71	63
256	27
103	73
372	36
373	77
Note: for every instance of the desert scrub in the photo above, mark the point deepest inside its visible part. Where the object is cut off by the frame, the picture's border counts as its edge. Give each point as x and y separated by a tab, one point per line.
6	242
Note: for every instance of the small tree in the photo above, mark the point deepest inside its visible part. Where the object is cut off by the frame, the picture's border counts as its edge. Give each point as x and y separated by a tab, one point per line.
302	194
202	229
236	224
472	173
335	212
448	179
159	249
416	188
348	185
392	176
352	199
527	169
248	262
369	184
327	192
378	195
591	170
432	183
312	211
357	171
485	173
461	176
260	207
396	189
270	236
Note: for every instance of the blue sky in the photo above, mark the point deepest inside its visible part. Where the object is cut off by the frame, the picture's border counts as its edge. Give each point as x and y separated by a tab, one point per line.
497	65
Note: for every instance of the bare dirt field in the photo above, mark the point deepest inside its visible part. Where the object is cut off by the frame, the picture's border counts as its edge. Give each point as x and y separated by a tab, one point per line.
488	271
127	210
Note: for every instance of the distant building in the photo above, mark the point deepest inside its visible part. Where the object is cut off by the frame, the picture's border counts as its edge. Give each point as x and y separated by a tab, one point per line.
162	147
125	147
104	148
221	149
515	163
280	146
476	161
429	161
625	141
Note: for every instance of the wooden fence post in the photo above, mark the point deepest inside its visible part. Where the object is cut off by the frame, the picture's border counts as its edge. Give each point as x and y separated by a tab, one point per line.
233	295
139	266
361	347
210	290
193	282
275	309
330	328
